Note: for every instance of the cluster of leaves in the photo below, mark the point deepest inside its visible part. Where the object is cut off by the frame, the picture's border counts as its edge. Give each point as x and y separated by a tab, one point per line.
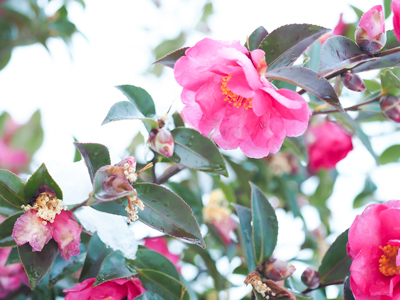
25	22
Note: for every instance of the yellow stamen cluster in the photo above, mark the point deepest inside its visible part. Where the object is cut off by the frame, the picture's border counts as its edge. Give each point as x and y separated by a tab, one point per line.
133	204
236	100
47	207
260	287
217	208
387	262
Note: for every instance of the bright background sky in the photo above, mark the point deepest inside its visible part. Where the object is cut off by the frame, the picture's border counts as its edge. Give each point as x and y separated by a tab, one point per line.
75	95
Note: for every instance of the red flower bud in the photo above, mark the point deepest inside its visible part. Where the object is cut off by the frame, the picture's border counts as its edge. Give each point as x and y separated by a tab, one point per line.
310	278
353	82
162	141
390	106
277	269
370	33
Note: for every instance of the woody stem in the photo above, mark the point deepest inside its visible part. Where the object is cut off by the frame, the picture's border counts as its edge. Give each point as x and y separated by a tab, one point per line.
351	108
322	285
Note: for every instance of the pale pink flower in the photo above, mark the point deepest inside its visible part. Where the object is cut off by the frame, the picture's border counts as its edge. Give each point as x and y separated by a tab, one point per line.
116	289
341	27
396	17
327	143
226	96
374	240
370	33
159	244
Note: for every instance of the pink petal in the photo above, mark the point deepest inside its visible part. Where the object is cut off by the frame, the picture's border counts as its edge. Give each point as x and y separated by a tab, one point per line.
67	233
252	150
159	244
135	288
261	103
12	159
396	17
29	228
340	27
80	291
373	21
112	290
288	103
258	59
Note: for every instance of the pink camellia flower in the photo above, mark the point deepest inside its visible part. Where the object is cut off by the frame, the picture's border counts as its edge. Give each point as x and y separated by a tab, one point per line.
116	289
340	29
11	276
46	219
370	32
226	96
162	141
327	143
396	17
374	241
159	244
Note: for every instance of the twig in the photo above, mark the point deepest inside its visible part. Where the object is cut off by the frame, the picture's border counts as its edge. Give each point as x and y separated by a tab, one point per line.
175	169
153	171
351	108
322	285
84	203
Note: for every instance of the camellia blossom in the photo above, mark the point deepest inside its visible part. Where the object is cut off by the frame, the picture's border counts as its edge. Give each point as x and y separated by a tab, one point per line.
47	218
396	17
116	289
162	141
159	244
370	33
374	241
227	96
327	143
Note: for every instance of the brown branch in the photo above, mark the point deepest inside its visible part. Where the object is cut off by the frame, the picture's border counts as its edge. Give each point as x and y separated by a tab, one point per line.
175	169
322	285
351	108
84	203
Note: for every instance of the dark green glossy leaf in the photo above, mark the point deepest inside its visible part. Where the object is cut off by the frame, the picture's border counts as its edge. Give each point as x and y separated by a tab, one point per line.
6	229
147	295
164	211
390	83
391	154
78	155
391	41
140	98
265	225
39	178
197	152
308	80
387	59
12	189
339	52
336	264
347	293
125	110
152	260
284	45
246	231
6	209
170	59
97	252
114	266
37	263
13	257
62	268
257	37
366	195
95	156
166	286
178	121
29	136
195	202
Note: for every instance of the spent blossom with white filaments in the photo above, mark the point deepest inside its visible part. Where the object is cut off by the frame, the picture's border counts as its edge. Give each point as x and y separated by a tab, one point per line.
263	289
47	207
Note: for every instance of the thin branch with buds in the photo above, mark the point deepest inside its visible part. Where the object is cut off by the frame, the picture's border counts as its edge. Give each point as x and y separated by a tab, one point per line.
351	108
322	285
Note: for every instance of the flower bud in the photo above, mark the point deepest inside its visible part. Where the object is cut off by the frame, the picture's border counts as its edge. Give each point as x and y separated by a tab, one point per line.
370	33
390	106
162	141
310	278
277	269
353	82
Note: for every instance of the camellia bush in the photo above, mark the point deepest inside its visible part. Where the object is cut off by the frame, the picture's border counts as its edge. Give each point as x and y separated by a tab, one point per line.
276	96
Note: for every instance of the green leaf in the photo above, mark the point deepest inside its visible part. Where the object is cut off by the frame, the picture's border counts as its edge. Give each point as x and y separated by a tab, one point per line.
257	37
284	45
358	11
390	83
140	98
372	85
6	209
4	59
170	59
125	110
265	225
13	257
78	155
391	40
226	189
195	202
308	80
296	145
147	295
95	156
39	178
347	293
152	260
97	252
114	266
136	141
12	189
246	231
164	211
336	264
366	195
390	155
6	229
166	286
37	263
386	7
178	121
197	152
339	52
